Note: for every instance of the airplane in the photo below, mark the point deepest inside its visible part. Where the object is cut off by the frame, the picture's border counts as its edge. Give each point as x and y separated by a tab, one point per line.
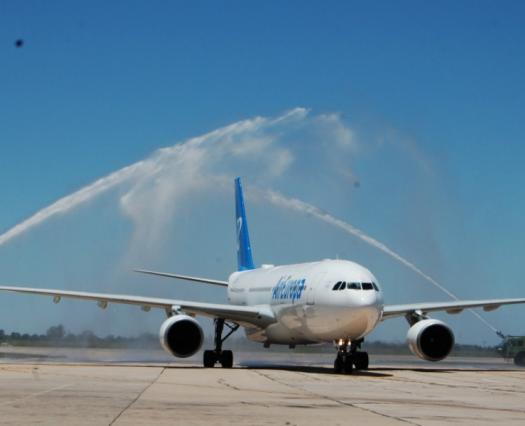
335	301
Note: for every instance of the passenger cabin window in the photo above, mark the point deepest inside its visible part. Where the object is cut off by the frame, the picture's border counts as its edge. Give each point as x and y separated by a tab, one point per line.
354	286
376	288
337	285
343	286
368	286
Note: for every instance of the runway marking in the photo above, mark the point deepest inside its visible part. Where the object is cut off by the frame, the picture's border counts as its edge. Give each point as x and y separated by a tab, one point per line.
138	396
36	394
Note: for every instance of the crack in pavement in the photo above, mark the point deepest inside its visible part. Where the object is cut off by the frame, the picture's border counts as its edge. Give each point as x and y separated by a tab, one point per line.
346	404
33	395
137	397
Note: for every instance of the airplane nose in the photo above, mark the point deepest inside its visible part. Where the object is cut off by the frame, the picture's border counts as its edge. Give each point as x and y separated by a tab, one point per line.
369	298
373	304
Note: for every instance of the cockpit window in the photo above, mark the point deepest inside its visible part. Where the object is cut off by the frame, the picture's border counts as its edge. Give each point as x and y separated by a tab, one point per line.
368	286
337	285
354	286
343	286
376	288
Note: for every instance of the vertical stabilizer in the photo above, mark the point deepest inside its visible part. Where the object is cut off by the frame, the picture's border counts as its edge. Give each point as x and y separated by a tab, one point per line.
244	250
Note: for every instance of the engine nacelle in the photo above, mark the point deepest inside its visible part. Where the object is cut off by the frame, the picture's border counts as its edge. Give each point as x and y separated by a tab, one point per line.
181	336
430	339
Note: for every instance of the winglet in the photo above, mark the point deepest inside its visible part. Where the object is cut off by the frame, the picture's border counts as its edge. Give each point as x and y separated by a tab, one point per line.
244	250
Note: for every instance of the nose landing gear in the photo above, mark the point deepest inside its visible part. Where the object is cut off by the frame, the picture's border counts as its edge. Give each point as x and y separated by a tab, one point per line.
349	357
225	358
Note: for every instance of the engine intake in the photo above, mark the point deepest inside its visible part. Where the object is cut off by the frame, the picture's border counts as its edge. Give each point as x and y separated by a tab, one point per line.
181	336
430	339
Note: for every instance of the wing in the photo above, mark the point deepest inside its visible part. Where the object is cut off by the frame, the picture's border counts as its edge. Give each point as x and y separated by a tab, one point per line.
260	315
453	307
184	277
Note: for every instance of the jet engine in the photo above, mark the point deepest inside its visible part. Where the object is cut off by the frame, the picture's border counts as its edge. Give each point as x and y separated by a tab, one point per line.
430	339
181	336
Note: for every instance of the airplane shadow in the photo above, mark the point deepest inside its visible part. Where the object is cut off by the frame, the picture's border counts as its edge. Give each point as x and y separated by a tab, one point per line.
313	369
310	369
447	369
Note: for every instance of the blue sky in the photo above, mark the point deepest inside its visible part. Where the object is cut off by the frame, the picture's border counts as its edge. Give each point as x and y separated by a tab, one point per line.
433	92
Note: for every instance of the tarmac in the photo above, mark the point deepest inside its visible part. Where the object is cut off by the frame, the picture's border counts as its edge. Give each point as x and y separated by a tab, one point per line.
120	388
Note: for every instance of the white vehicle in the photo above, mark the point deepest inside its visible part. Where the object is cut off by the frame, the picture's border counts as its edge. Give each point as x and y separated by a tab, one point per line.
327	301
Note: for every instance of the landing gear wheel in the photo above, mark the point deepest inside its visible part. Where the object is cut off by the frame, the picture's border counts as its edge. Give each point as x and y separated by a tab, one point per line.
343	364
348	356
519	359
226	359
209	359
349	364
361	360
338	366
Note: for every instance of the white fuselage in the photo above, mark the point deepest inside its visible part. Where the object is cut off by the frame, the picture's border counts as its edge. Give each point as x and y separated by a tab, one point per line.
307	308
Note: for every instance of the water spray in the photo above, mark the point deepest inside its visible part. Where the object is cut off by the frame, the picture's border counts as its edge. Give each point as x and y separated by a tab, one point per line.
303	207
238	139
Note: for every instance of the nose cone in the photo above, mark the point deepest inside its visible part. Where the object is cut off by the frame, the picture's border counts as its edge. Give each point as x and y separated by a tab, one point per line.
364	312
370	298
370	306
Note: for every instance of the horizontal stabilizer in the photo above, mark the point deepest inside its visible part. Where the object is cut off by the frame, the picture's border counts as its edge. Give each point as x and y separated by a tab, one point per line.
184	277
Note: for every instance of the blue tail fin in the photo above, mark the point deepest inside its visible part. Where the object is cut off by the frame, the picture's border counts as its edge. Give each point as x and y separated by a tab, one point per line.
244	250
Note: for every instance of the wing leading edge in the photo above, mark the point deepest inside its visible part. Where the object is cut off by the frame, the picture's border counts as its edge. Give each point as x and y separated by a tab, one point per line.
183	277
257	315
452	307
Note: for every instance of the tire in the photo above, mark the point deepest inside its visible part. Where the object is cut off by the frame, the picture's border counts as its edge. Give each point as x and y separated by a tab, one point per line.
361	361
349	365
226	359
519	359
338	365
209	359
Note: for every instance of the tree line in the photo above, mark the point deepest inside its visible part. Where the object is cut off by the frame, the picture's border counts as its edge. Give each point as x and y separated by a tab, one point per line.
58	336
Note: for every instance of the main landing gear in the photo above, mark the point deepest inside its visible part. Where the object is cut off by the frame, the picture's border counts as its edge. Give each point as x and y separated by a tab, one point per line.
225	358
349	357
